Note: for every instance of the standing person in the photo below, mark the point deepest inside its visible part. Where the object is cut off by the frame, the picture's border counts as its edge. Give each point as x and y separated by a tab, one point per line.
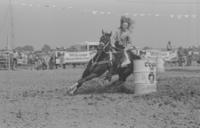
180	54
14	62
169	46
122	42
31	61
190	55
62	61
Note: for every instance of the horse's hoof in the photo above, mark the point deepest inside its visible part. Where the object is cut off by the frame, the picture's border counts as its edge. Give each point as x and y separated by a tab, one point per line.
72	90
71	93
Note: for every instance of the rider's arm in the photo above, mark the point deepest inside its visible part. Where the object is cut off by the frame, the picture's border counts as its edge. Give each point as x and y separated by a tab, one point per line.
114	38
129	41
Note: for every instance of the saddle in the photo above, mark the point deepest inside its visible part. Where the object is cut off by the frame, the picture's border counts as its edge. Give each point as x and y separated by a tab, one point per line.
123	55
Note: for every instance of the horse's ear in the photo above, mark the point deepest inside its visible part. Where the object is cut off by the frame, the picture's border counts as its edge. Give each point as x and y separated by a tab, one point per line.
103	32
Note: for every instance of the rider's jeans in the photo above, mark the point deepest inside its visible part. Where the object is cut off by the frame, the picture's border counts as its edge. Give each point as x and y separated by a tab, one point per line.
126	60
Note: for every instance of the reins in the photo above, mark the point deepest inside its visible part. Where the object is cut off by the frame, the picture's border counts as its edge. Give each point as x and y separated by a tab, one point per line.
103	61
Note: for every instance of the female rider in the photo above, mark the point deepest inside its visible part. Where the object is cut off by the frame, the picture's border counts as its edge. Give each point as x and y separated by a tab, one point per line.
122	41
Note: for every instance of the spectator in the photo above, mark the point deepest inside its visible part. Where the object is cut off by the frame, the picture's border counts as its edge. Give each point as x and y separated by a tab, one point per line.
190	55
180	54
169	46
14	62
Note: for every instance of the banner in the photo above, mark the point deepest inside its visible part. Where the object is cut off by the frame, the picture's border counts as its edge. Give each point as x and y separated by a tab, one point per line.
165	55
78	57
157	53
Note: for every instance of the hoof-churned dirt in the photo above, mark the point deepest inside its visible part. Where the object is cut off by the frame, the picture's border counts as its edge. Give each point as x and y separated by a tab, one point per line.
38	99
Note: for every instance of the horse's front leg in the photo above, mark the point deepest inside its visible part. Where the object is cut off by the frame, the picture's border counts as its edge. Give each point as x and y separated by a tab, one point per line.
78	84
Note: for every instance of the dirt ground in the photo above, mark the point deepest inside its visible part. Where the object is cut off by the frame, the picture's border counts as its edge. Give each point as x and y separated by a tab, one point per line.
37	99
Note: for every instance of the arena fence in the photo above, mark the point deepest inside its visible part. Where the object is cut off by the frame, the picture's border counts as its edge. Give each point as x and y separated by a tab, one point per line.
5	63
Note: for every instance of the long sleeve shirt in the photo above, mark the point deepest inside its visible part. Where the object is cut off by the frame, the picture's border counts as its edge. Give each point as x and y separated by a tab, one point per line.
122	39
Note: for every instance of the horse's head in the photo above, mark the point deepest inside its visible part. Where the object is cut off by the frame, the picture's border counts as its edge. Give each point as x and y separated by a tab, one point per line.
105	41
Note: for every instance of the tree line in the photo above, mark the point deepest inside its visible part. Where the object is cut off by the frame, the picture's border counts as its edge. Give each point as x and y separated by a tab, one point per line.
47	48
30	48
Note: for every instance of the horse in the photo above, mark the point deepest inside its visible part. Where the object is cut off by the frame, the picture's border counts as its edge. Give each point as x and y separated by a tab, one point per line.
105	57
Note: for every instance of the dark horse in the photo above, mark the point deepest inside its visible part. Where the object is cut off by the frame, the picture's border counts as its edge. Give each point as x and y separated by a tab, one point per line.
102	61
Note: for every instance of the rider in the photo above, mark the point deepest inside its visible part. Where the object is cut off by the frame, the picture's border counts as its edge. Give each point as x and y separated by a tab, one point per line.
122	41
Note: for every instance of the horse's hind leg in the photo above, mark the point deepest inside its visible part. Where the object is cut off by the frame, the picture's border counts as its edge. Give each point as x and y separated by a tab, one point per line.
125	73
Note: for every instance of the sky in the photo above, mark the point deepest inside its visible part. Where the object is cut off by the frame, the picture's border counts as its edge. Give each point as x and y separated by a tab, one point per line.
67	22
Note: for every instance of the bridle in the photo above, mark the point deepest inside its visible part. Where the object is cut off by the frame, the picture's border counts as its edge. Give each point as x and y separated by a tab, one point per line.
104	43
